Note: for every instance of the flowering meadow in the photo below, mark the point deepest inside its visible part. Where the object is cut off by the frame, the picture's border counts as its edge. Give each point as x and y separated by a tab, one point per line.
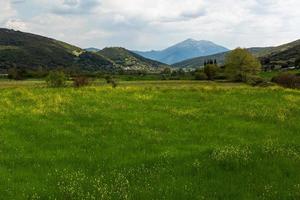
149	140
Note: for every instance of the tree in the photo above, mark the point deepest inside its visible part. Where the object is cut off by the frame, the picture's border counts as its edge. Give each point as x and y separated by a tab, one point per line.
56	79
211	71
240	64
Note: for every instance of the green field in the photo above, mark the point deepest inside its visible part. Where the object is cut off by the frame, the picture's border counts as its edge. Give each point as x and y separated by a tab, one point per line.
149	140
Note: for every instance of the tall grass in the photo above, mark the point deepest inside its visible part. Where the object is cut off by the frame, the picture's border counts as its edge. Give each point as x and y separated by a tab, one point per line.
173	140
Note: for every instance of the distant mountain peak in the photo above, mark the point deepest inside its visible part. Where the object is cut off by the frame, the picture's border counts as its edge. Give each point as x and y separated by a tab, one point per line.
92	49
190	40
187	49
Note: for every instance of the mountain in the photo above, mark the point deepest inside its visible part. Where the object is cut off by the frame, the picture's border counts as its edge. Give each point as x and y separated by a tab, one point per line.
285	54
30	51
184	50
130	60
220	57
92	49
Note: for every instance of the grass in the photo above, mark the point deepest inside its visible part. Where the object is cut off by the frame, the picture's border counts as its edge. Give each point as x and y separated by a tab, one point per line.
149	140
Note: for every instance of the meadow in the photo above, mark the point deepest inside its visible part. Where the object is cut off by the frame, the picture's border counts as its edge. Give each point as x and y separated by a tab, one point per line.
149	140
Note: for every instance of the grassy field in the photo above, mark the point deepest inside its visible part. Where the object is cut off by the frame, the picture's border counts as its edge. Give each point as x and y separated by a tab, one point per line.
149	140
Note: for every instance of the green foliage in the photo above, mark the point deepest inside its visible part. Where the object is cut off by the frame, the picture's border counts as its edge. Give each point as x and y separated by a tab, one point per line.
240	63
200	76
56	79
211	71
110	80
114	83
256	81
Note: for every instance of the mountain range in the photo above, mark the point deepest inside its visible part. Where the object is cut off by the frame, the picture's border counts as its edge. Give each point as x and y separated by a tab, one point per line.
285	54
187	49
31	52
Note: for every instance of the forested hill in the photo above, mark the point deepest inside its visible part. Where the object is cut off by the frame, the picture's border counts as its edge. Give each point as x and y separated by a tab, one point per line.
30	51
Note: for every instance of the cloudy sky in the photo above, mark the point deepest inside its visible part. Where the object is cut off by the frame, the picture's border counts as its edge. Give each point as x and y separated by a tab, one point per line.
155	24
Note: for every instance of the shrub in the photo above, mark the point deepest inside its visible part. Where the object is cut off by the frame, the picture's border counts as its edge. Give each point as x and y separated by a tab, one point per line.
80	81
288	80
56	79
114	84
16	74
200	76
255	80
108	79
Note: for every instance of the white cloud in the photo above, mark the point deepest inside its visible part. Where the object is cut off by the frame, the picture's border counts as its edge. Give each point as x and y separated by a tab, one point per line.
6	10
144	24
16	24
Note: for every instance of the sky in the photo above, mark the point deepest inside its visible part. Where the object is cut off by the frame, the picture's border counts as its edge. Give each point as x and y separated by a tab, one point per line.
156	24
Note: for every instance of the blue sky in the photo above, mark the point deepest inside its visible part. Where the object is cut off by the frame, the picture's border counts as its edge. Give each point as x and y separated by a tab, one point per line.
156	24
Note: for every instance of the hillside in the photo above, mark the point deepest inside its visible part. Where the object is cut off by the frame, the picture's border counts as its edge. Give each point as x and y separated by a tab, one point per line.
130	60
220	57
184	50
283	54
29	51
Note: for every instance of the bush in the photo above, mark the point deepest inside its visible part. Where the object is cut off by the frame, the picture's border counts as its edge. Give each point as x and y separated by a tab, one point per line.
200	76
80	81
16	74
114	84
255	80
56	79
288	80
108	79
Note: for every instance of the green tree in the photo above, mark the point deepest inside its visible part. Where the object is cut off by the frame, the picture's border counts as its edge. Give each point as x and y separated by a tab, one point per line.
240	64
56	79
211	71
